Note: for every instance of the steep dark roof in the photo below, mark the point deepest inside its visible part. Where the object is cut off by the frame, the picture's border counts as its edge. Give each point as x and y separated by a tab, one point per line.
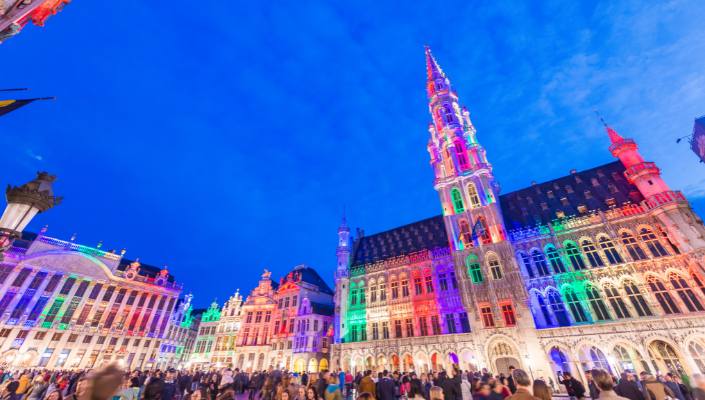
310	275
595	189
322	308
426	234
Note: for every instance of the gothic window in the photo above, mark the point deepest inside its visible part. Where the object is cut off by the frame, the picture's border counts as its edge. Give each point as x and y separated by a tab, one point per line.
457	200
616	301
555	259
353	297
691	301
611	253
473	197
435	325
453	281
395	290
450	323
373	294
482	231
362	295
652	243
575	307
697	351
663	296
375	331
494	266
474	270
526	262
598	306
423	326
464	322
465	235
382	291
397	329
405	288
544	309
633	248
698	281
409	327
592	254
573	253
558	308
540	262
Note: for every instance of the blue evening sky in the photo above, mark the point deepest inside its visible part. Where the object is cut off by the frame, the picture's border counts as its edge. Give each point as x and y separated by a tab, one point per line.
223	137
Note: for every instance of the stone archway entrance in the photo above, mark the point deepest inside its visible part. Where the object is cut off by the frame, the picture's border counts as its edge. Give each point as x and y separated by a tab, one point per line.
504	356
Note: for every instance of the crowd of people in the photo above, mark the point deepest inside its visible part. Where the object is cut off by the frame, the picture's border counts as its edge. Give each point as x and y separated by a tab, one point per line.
111	383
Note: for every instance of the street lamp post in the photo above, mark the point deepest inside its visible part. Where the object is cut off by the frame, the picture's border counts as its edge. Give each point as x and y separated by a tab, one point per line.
23	204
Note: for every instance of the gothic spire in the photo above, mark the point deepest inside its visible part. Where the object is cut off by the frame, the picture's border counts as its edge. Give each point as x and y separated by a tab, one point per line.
436	79
613	135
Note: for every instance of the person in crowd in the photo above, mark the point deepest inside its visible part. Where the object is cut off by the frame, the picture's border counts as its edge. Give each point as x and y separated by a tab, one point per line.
436	393
698	387
385	387
656	389
574	387
592	387
366	385
54	394
311	393
38	388
333	392
541	390
510	380
627	387
605	385
523	384
483	392
674	386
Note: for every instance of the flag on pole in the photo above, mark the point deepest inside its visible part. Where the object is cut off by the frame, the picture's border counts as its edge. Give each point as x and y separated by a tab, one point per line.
7	106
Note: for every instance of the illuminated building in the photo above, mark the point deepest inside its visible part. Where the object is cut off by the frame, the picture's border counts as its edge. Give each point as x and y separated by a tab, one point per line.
600	268
286	325
181	335
64	305
201	355
227	330
15	14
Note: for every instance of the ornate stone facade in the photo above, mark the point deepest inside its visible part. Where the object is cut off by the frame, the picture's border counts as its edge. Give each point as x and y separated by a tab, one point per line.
64	305
603	267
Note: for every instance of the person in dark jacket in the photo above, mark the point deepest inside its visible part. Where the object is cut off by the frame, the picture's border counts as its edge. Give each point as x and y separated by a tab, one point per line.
594	390
673	385
627	387
169	388
385	387
573	386
510	381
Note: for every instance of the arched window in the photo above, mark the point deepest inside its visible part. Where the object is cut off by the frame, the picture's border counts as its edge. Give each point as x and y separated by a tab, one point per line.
474	270
665	357
637	299
616	301
465	235
457	200
598	306
473	197
633	248
574	305
526	262
482	231
555	259
697	351
540	262
698	281
611	253
544	309
494	266
652	243
558	308
573	253
691	301
592	254
663	296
